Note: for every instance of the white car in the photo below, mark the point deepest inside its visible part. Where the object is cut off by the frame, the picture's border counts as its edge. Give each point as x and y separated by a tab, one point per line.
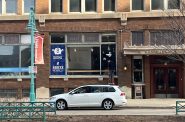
106	96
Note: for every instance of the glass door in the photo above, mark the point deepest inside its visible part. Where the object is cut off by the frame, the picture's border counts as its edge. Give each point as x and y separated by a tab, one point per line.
165	82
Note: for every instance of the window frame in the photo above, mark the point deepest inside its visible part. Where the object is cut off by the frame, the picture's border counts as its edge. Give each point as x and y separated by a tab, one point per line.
50	7
4	8
115	7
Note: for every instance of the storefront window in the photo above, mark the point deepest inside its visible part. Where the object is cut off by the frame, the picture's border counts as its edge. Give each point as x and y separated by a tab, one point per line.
83	60
14	53
85	54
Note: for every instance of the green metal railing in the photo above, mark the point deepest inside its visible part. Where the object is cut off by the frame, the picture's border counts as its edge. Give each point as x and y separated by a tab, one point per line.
180	106
26	110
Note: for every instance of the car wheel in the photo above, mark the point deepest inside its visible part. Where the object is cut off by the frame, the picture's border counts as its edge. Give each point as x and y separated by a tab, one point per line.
108	104
61	105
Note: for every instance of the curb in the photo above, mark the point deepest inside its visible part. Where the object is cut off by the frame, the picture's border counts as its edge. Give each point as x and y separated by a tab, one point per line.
149	107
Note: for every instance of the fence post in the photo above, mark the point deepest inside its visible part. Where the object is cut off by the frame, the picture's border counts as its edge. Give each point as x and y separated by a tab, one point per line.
176	107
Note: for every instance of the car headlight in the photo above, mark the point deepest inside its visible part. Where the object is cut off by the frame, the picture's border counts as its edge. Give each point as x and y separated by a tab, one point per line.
52	98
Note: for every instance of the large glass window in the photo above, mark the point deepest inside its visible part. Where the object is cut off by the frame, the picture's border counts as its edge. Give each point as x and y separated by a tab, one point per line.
56	5
87	53
14	52
137	38
84	59
75	5
137	5
109	5
28	4
11	6
90	5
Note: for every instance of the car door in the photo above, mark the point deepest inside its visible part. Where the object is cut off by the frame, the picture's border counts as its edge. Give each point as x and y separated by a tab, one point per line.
79	97
95	96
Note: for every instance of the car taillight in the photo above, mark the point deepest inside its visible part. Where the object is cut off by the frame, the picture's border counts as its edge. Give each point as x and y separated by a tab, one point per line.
122	94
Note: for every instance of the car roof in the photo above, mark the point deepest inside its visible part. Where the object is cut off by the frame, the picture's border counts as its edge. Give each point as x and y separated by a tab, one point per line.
102	85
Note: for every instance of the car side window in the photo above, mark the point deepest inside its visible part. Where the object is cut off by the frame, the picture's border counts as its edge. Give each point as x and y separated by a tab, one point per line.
96	89
108	89
81	90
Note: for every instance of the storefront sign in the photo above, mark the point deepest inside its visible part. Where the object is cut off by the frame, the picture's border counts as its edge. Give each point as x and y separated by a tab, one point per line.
39	59
57	64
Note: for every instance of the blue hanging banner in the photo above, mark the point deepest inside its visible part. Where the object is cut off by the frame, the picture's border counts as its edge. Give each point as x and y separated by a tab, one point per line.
57	63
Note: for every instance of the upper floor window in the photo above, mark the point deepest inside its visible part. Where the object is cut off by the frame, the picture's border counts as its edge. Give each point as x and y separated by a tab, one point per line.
173	4
90	5
56	5
137	4
157	4
109	5
165	4
28	4
166	38
137	38
11	6
75	5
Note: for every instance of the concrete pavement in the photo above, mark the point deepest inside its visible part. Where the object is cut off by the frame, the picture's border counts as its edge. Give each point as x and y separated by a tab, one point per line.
152	103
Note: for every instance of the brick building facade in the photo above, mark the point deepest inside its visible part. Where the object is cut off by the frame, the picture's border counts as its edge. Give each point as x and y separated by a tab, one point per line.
129	31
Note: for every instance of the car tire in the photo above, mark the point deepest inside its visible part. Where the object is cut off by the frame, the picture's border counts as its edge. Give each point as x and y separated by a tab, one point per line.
61	105
107	104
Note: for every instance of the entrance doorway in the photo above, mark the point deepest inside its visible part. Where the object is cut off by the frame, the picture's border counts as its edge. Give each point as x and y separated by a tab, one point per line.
165	80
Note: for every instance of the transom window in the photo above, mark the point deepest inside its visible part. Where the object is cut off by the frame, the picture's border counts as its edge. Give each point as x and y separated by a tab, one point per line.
165	4
28	4
86	53
56	5
137	4
14	52
109	5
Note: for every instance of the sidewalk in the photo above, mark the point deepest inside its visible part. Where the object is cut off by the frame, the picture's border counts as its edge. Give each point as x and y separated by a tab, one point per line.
152	103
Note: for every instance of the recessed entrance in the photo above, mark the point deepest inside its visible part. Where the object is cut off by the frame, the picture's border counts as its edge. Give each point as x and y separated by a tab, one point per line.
165	82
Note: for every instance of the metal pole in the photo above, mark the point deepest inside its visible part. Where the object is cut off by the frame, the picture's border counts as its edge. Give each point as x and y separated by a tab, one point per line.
31	26
32	84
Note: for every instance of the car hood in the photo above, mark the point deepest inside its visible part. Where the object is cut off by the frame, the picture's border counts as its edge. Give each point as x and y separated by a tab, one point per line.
60	95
